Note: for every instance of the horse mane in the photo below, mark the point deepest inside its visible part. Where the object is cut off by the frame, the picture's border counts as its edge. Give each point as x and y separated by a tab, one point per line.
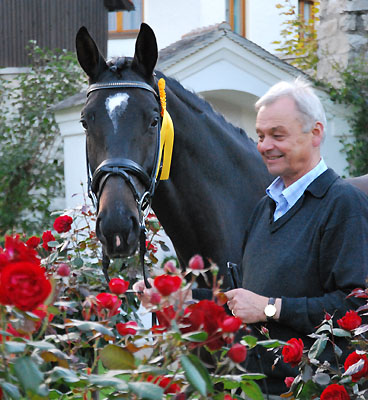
194	101
198	104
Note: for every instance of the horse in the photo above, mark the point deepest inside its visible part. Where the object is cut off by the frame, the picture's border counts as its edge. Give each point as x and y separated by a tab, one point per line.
216	173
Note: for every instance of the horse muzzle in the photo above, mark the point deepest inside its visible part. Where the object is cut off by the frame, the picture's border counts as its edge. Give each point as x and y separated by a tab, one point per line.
118	232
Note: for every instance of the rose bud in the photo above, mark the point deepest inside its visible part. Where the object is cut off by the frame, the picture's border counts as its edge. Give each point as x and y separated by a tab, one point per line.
289	381
63	270
170	267
129	328
237	353
155	298
118	286
196	262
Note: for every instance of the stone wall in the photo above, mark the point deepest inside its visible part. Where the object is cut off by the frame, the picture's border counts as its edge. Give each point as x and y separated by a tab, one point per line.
342	35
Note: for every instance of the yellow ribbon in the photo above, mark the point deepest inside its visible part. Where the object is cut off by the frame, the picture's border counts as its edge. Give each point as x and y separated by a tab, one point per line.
166	136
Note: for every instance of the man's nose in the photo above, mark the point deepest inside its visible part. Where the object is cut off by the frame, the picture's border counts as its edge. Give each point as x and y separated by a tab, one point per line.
265	145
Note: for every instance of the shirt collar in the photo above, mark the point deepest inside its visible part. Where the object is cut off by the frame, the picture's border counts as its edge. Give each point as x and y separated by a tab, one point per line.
277	191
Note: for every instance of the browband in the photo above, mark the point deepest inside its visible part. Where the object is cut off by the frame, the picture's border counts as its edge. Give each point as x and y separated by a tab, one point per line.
125	84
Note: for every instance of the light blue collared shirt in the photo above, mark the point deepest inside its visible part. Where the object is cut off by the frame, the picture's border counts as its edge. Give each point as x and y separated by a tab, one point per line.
285	198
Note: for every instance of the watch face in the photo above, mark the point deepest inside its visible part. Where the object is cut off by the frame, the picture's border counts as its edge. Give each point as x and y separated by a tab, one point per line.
270	310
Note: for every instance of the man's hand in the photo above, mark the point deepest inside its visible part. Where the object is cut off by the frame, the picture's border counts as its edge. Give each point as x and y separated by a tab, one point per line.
249	306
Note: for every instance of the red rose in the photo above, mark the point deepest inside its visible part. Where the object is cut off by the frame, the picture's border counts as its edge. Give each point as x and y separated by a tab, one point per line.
196	262
118	286
350	321
352	359
16	250
33	242
47	236
165	316
24	285
205	315
230	324
237	353
335	392
127	329
109	302
63	270
293	351
228	397
289	381
167	284
63	223
164	382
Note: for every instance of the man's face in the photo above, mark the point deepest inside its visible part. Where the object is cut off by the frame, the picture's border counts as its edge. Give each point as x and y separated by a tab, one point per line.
285	149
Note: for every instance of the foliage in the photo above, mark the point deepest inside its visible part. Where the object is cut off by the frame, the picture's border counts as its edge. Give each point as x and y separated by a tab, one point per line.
299	37
85	342
353	91
31	169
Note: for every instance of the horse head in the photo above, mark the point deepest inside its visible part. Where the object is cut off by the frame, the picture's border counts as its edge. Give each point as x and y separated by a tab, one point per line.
121	119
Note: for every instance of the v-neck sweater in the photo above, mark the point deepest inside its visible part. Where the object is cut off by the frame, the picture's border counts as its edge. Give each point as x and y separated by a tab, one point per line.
312	257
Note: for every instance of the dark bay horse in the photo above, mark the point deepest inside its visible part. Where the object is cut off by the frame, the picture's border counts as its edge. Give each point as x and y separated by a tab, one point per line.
216	176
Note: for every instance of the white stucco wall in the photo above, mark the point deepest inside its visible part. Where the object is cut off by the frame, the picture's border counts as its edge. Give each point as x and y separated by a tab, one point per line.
171	19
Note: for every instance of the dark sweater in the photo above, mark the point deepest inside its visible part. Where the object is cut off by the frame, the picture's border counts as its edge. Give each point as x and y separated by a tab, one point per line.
311	257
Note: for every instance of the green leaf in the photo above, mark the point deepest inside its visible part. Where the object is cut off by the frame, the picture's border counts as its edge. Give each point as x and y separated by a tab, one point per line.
67	375
321	379
202	370
78	262
193	375
108	381
251	341
29	376
317	347
272	343
11	390
86	326
42	345
115	357
252	390
341	332
15	347
195	336
146	390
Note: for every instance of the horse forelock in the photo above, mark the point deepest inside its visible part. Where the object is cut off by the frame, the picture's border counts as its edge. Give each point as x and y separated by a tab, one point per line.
118	64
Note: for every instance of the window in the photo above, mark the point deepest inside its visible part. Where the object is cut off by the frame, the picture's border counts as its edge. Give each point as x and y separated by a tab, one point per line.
235	15
125	22
306	10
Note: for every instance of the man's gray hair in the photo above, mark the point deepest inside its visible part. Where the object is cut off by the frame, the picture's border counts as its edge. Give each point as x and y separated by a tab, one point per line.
307	103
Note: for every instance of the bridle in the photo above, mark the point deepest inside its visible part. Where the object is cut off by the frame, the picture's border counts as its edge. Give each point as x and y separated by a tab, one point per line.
126	168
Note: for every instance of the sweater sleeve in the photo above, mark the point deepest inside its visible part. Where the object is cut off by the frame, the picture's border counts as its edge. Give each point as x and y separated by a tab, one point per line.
343	267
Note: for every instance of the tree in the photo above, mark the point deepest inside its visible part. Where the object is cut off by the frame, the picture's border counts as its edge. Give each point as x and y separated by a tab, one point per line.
31	168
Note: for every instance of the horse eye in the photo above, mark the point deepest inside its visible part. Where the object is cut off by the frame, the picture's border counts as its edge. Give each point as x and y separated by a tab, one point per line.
84	123
154	123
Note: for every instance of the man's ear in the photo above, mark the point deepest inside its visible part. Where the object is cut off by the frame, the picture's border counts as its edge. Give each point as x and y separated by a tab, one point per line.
318	134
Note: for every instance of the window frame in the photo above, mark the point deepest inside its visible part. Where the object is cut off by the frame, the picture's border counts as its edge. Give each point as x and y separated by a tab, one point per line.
120	32
243	29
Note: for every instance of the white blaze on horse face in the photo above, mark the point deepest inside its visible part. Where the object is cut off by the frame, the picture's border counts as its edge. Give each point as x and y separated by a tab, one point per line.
115	107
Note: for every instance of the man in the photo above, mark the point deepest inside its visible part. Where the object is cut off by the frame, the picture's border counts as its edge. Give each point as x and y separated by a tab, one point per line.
306	244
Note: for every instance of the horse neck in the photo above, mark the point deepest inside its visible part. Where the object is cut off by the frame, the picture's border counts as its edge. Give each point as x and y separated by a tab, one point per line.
205	204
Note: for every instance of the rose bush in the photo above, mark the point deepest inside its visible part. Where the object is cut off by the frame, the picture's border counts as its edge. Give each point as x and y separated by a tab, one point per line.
67	334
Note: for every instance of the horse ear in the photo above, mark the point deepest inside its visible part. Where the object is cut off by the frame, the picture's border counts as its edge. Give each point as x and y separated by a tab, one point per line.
145	56
89	57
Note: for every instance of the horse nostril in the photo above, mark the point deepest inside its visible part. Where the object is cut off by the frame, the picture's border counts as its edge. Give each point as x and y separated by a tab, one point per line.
117	241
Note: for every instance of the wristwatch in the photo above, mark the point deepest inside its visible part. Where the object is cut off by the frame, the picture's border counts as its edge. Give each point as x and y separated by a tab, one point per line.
270	309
